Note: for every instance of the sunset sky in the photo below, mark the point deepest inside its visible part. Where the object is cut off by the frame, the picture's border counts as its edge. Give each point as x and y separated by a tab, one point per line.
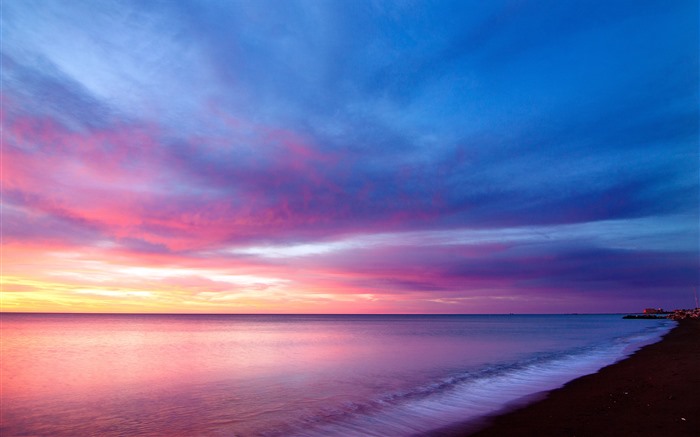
349	156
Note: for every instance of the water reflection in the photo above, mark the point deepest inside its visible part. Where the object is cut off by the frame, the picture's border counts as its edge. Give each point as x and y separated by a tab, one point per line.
129	375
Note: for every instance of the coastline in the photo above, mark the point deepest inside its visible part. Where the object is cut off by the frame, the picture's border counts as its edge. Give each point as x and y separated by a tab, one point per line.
655	391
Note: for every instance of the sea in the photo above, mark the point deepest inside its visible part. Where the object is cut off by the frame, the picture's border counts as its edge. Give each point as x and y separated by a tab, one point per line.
291	375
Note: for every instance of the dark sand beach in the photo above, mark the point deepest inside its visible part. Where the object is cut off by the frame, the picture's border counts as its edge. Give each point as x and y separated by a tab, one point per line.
655	392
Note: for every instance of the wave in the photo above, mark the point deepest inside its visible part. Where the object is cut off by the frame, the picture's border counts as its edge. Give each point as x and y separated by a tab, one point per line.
468	396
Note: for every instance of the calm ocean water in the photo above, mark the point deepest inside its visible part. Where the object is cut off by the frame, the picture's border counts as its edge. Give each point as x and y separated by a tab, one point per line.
289	375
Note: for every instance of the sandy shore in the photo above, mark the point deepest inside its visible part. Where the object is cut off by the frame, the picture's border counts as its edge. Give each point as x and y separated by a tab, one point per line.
655	392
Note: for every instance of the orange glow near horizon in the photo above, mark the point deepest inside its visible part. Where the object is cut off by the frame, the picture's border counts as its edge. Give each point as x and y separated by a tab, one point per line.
39	280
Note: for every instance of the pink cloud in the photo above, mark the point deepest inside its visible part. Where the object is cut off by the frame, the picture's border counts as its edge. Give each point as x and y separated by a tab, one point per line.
123	182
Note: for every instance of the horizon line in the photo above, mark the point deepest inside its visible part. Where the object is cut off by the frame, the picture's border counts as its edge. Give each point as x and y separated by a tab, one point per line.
313	314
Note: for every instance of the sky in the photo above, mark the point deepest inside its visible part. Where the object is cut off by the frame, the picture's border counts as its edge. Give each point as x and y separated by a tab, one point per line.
331	156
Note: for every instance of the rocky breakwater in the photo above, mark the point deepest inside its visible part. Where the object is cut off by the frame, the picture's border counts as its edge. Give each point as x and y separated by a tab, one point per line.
693	314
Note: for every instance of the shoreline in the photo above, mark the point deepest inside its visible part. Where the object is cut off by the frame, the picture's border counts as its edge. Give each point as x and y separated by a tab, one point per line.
655	391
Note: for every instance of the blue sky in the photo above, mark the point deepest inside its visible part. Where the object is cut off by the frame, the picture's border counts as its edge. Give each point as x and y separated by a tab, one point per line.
320	156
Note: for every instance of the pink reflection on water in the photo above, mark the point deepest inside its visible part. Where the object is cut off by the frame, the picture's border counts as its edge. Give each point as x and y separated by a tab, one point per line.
71	375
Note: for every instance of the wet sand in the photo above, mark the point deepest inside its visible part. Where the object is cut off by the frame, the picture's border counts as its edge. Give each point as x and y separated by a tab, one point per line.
655	392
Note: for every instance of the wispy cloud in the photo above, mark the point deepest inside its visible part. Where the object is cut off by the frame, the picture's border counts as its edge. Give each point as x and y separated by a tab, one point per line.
458	154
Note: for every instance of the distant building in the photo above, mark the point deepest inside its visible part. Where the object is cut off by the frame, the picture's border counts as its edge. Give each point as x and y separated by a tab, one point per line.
653	310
